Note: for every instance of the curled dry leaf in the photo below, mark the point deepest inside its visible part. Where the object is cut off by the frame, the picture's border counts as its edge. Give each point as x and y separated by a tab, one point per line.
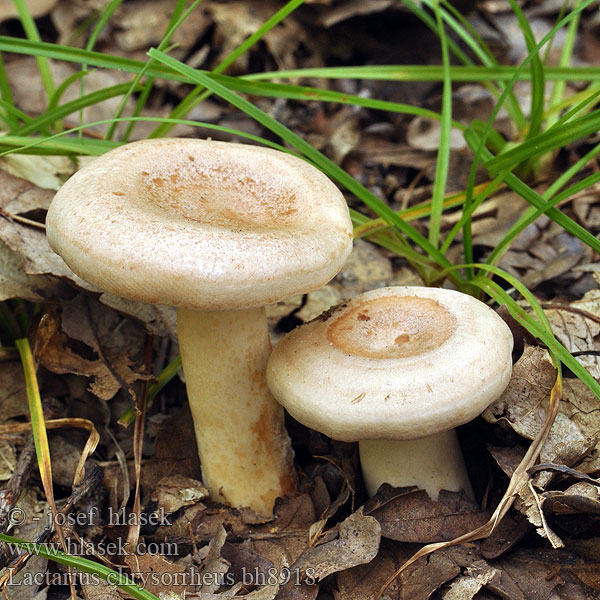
357	544
143	23
53	352
235	21
215	566
578	498
579	331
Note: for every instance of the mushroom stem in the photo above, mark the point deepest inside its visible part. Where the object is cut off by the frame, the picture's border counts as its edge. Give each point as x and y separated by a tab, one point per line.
243	446
432	463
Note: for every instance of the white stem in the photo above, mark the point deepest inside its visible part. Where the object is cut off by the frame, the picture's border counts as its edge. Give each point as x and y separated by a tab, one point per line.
243	446
433	463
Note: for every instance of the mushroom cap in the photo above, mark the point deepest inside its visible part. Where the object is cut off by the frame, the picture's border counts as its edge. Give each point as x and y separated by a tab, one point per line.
200	224
393	363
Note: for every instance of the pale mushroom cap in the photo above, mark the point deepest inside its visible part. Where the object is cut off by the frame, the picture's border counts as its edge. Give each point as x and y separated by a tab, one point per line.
393	363
201	225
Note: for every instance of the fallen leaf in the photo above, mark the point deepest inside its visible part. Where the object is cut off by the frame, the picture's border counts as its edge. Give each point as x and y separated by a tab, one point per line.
53	352
579	498
47	172
157	574
15	283
13	398
467	586
412	516
523	406
176	491
100	590
215	566
357	544
418	582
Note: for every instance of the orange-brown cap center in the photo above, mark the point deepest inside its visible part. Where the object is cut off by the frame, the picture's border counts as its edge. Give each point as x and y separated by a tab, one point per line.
392	327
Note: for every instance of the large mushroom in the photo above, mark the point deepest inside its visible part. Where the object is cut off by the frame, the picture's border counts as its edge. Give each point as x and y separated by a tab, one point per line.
217	230
396	369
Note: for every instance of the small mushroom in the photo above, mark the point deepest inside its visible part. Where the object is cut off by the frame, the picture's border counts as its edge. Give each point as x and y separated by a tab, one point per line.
396	369
217	230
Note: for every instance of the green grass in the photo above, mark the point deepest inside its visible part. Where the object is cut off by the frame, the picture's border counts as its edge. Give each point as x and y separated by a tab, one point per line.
510	164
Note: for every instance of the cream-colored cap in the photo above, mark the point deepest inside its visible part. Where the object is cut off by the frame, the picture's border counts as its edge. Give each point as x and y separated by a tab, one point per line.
200	224
393	363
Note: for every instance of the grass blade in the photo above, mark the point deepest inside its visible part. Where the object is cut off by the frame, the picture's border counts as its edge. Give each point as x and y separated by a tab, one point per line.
196	95
443	155
320	160
82	564
33	34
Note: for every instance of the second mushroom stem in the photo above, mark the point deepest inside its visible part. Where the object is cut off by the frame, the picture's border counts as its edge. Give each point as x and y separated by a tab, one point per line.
432	463
243	446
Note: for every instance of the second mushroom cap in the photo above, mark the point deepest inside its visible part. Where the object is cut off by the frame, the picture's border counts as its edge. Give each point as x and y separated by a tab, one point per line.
395	363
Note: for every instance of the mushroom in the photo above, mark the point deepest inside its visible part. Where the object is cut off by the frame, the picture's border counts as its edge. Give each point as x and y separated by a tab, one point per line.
396	369
217	230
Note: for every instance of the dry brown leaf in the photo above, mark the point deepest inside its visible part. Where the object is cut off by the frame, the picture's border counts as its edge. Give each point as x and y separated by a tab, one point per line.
383	151
175	453
177	491
18	196
579	498
143	23
15	283
65	453
158	320
8	460
523	406
156	574
578	333
344	138
53	352
358	543
412	516
467	586
47	172
538	575
28	91
418	582
215	566
100	590
13	398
